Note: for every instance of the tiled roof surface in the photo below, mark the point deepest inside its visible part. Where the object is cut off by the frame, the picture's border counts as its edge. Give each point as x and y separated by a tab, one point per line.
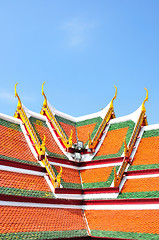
70	177
147	155
89	125
129	224
67	129
82	132
13	183
97	177
67	126
41	223
41	129
113	144
80	128
13	145
140	188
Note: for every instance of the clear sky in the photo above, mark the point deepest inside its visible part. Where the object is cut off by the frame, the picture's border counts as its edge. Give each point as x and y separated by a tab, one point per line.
80	48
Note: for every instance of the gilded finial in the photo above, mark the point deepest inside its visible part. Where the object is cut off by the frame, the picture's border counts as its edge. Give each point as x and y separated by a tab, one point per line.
126	149
19	106
70	138
146	99
45	99
111	104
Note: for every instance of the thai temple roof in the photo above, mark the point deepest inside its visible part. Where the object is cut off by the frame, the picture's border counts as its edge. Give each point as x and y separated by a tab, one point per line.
89	177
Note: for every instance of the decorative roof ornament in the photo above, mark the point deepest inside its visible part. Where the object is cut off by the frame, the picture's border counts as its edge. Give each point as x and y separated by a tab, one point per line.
126	149
70	138
109	115
111	104
89	139
42	146
19	106
146	99
58	178
45	99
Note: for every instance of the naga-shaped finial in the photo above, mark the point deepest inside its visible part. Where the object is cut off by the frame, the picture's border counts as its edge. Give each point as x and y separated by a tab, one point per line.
126	149
45	99
146	99
111	104
19	106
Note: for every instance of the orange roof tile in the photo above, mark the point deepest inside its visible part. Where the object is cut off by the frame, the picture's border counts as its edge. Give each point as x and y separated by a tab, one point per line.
51	144
67	128
23	181
113	142
138	221
13	144
30	219
147	152
82	132
141	185
69	175
96	174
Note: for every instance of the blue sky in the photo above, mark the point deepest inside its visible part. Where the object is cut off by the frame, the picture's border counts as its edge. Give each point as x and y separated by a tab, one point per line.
80	49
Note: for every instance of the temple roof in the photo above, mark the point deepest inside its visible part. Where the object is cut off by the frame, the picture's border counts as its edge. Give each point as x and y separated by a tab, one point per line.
91	177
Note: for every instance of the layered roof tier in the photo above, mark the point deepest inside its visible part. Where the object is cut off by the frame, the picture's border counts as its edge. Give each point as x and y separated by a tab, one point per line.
147	154
125	224
41	223
20	184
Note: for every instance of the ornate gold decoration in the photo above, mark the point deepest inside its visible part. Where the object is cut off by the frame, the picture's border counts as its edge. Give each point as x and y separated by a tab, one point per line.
42	146
45	99
111	104
126	149
89	139
70	139
46	111
58	178
19	106
146	99
110	114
